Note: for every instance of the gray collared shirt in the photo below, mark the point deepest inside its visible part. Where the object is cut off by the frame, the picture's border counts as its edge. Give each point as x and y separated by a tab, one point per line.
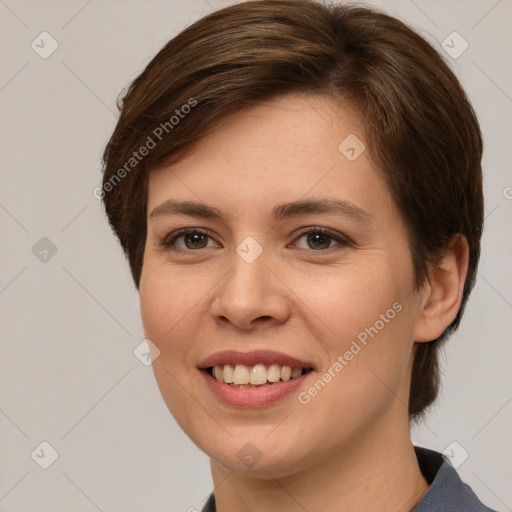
447	492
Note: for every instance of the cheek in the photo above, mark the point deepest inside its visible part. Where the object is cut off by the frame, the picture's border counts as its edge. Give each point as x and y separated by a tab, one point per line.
364	321
344	302
167	303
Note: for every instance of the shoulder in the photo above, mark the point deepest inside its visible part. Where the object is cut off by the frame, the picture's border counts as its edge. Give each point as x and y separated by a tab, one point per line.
447	492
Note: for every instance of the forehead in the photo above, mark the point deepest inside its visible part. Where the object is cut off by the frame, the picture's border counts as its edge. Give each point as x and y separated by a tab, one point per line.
292	147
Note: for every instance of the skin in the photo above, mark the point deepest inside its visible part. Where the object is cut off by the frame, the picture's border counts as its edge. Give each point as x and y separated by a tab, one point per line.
349	448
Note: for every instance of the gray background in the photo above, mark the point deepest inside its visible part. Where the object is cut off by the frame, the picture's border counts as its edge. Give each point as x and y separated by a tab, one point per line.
70	320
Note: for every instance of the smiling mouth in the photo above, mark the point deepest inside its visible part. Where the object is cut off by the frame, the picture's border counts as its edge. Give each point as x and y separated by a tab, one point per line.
256	376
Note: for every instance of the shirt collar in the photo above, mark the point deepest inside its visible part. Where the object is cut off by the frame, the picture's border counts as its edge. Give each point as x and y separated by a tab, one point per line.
447	492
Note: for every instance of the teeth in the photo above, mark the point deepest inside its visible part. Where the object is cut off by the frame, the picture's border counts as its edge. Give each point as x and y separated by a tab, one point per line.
296	372
274	373
286	373
241	375
218	373
256	375
228	374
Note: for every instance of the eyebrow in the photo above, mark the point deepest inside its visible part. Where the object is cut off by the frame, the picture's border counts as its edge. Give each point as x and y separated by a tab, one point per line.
280	212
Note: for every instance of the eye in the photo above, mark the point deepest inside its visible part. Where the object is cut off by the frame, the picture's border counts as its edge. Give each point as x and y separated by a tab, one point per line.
317	239
320	239
190	238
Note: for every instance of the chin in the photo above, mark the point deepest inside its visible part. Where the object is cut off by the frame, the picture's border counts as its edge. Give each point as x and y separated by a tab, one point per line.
251	451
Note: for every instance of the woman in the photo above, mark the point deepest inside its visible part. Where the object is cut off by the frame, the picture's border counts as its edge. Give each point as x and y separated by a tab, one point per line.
298	191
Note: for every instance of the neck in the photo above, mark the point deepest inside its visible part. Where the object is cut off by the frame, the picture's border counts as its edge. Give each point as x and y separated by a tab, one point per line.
376	472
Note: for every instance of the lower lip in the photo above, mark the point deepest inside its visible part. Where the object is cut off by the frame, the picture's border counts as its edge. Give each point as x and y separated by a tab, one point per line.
252	397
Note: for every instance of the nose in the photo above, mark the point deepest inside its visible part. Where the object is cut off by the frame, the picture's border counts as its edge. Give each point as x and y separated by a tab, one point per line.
251	295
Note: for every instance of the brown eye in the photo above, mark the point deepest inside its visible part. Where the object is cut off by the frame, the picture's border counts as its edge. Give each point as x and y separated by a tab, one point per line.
195	240
188	239
319	239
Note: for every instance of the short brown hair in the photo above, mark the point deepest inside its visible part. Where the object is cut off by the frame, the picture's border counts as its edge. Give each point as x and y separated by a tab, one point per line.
420	127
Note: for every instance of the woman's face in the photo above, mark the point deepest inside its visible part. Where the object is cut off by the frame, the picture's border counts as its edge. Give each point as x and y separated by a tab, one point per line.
294	256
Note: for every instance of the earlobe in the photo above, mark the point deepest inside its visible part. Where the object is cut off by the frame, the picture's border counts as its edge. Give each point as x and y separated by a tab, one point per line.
443	292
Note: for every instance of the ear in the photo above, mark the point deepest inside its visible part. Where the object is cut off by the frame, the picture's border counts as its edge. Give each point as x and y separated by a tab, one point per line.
442	293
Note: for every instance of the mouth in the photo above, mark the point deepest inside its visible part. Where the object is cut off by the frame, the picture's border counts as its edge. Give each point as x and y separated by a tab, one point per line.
253	379
259	375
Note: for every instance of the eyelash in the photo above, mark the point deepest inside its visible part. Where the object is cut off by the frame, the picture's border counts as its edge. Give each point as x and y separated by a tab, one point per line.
342	241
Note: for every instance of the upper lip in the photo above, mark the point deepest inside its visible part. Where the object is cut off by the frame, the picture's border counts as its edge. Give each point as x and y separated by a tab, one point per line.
254	357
